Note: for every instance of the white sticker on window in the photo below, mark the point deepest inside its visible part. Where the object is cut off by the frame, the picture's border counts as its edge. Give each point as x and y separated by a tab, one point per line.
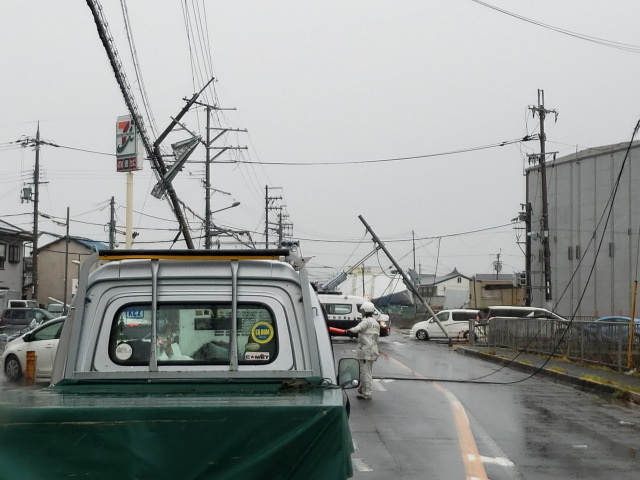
124	351
262	356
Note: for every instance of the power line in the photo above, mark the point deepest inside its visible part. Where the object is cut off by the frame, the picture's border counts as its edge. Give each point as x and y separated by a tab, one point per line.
397	159
600	41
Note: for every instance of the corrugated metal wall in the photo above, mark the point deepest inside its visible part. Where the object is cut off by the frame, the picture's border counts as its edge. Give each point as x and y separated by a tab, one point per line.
580	189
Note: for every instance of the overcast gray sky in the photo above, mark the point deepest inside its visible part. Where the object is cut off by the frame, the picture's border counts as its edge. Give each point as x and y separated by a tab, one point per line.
321	86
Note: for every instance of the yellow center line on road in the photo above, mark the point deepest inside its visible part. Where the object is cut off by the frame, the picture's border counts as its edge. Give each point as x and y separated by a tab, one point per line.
471	458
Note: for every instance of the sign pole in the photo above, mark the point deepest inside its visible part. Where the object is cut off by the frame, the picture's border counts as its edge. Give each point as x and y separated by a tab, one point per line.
129	220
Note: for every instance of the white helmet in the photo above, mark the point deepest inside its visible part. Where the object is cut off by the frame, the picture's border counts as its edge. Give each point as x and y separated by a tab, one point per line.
368	307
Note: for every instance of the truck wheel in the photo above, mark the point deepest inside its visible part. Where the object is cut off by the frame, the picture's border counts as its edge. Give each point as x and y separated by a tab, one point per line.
422	335
12	368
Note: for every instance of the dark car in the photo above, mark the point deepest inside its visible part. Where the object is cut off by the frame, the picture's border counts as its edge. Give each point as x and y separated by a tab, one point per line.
15	321
613	328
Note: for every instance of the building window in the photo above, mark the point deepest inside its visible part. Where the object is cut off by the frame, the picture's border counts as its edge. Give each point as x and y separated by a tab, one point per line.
578	252
14	253
570	253
611	249
459	279
3	254
428	290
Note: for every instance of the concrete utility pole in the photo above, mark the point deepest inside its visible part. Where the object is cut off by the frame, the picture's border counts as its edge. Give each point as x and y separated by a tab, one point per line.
112	225
497	265
542	112
208	223
268	206
36	198
66	266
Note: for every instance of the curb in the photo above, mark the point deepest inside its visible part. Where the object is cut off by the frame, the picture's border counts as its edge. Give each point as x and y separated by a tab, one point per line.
587	385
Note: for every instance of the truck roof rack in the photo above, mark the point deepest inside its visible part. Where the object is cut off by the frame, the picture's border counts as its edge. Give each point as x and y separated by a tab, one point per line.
165	254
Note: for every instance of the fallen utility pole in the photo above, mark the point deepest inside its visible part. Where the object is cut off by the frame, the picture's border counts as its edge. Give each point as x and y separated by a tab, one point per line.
405	278
153	151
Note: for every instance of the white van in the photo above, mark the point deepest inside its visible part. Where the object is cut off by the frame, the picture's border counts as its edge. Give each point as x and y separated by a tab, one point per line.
455	322
343	312
23	304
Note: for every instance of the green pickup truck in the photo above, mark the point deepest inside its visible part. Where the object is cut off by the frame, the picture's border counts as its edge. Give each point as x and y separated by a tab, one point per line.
211	364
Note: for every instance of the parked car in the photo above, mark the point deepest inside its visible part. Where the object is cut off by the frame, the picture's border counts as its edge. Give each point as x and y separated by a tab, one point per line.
614	327
455	322
15	321
43	340
557	324
55	308
22	304
487	313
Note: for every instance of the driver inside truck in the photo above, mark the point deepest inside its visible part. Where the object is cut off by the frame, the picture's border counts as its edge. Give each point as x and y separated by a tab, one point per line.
169	347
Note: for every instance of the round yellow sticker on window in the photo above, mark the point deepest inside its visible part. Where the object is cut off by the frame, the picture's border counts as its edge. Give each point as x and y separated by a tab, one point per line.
262	332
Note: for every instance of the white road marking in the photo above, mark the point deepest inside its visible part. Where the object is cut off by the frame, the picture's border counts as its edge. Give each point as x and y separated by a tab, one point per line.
361	465
377	385
502	461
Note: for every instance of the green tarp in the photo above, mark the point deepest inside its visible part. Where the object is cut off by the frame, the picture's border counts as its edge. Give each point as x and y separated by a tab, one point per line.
143	433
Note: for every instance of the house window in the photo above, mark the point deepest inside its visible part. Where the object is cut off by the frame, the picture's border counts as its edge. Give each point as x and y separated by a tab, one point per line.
3	254
14	253
428	290
459	279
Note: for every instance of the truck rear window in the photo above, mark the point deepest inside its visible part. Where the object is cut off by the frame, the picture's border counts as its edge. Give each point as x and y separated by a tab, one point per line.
193	334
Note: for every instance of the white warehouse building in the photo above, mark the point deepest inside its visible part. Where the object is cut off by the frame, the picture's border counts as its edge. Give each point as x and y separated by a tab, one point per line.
593	199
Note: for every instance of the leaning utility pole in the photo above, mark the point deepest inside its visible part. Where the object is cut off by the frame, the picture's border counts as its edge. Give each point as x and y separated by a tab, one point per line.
407	281
153	150
542	112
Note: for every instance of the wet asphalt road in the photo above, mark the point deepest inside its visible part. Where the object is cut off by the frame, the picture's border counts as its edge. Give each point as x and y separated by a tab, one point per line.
442	426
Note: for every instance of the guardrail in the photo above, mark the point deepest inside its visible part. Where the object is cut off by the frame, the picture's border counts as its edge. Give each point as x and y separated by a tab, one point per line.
594	342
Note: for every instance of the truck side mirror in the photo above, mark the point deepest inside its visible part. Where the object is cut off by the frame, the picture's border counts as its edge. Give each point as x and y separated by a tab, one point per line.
348	373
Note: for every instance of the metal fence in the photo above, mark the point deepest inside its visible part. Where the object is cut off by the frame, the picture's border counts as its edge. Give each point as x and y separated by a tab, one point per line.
593	342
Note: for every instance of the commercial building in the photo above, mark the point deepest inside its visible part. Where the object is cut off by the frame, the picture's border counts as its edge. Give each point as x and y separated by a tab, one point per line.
593	199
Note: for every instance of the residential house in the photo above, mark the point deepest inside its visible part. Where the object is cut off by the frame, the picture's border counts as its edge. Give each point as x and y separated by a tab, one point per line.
12	264
52	260
442	292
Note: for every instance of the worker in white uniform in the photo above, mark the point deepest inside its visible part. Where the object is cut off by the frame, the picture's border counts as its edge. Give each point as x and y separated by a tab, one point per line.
368	331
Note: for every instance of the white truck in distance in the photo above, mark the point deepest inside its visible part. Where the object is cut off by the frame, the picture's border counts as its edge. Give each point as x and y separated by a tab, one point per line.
343	312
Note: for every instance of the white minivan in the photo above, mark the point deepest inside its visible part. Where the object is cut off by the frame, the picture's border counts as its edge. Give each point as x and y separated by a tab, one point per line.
22	304
455	322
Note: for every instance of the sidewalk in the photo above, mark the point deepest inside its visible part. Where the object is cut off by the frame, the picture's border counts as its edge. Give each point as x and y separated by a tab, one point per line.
599	379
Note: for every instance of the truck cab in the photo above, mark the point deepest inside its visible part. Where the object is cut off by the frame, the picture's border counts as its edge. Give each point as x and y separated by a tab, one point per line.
195	316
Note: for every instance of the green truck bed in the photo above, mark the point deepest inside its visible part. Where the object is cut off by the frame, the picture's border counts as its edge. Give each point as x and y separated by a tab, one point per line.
152	431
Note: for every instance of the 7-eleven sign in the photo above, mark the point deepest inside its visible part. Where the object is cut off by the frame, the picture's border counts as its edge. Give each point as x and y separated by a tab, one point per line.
127	145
